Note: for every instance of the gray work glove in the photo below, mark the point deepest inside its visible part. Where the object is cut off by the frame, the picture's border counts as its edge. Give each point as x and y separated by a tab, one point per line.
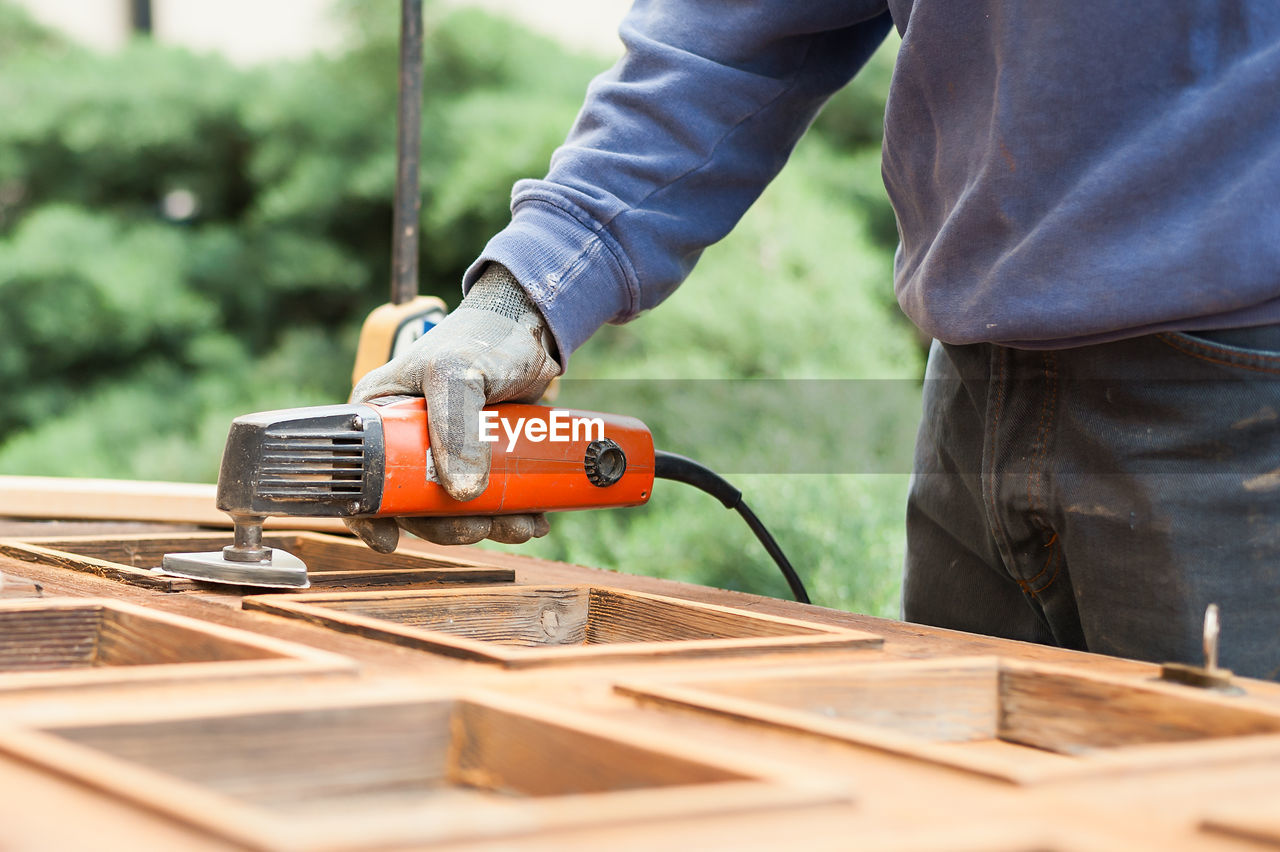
495	347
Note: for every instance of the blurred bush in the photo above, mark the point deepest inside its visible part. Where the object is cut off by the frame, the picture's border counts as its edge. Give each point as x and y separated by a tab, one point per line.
182	241
169	223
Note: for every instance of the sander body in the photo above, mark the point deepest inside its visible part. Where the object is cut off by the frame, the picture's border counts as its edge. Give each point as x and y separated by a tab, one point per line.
374	459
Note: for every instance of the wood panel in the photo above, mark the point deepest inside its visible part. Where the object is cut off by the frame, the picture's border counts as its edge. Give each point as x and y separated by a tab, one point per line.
40	555
503	751
618	616
276	760
1007	720
127	638
326	552
332	562
544	625
950	701
376	773
127	500
898	739
68	643
1070	714
44	638
522	617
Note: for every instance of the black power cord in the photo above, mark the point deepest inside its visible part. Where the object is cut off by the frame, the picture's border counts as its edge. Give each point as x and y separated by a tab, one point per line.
680	469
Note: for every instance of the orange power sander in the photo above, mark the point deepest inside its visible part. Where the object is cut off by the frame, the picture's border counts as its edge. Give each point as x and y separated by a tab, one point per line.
373	460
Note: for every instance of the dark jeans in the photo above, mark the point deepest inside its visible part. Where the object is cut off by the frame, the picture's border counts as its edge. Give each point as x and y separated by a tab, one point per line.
1100	498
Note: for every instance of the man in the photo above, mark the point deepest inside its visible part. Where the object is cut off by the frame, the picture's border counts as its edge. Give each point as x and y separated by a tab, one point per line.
1088	199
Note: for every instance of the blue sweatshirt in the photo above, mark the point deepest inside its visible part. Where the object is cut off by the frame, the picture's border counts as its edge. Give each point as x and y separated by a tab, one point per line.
1063	173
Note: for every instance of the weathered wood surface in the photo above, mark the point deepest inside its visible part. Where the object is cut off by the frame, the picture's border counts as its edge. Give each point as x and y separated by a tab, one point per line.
328	553
952	700
39	555
1076	713
375	773
49	638
541	625
67	643
901	802
45	497
331	561
1004	719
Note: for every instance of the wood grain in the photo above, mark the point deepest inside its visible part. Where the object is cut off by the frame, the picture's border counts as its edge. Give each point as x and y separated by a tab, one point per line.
276	760
1071	714
129	639
1008	720
339	775
49	638
332	562
73	643
127	500
533	756
40	555
617	616
896	738
556	625
526	617
947	701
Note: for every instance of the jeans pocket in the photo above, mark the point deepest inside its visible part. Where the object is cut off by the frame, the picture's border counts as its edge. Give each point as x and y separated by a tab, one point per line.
1256	350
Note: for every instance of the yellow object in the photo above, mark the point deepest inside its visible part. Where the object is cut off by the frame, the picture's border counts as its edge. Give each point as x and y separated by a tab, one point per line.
391	329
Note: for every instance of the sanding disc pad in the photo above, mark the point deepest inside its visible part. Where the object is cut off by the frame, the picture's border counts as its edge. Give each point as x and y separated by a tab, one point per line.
282	571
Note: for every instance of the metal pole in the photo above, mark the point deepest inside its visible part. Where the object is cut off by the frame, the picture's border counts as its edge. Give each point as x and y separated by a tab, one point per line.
408	205
140	16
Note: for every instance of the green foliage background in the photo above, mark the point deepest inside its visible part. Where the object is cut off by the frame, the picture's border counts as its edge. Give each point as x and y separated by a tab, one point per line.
128	340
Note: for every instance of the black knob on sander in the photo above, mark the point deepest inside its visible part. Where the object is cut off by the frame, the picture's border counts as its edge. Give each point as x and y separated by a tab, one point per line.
605	462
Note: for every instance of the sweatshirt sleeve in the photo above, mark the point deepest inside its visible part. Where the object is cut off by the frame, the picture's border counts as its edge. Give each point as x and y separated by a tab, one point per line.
671	147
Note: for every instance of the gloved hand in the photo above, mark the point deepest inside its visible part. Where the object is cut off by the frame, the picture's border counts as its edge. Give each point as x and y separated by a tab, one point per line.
495	347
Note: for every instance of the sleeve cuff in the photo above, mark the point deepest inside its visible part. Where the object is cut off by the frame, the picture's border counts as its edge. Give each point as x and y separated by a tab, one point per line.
573	271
